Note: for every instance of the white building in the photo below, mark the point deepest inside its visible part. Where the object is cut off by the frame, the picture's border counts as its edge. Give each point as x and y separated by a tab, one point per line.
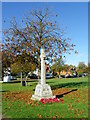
7	75
7	78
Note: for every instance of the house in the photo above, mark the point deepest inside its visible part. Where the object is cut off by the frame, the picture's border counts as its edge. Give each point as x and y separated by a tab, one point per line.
7	78
63	72
68	73
47	68
7	75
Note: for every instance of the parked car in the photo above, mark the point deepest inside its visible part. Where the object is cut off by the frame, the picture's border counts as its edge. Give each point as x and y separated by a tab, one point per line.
74	75
62	76
68	75
84	74
33	76
80	75
49	75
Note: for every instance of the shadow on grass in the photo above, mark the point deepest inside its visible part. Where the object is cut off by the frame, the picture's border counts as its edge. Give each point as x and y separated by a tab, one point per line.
13	82
68	85
5	91
49	82
61	95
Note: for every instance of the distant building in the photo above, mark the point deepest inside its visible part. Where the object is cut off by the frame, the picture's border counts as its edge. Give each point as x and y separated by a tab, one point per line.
7	78
7	75
70	72
47	68
63	72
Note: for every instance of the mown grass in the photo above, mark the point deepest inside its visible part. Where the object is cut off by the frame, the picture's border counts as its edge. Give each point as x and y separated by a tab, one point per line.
16	101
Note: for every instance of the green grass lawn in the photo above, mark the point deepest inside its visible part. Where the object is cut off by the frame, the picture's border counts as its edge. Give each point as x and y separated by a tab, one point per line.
16	102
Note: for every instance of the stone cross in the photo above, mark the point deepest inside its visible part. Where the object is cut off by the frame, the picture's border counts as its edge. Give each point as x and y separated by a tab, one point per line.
42	90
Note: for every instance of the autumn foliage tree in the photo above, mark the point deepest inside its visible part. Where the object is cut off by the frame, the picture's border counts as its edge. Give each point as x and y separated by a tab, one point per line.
58	66
38	30
46	33
81	68
5	62
23	64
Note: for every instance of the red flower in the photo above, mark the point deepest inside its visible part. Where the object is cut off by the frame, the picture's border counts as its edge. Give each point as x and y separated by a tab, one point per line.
62	101
55	100
50	100
42	101
46	100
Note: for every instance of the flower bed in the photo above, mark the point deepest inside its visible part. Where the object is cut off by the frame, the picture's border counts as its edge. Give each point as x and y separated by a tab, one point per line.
51	100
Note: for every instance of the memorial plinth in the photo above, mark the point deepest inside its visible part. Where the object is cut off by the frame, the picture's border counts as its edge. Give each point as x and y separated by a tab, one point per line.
42	90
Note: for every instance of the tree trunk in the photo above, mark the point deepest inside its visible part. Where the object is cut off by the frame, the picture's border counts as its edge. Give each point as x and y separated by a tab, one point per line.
21	78
53	72
59	73
26	80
